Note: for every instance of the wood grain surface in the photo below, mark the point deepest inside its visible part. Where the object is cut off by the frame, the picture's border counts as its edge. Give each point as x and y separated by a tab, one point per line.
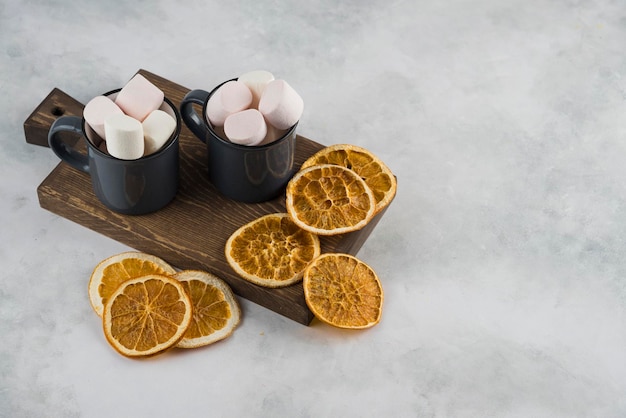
191	232
56	104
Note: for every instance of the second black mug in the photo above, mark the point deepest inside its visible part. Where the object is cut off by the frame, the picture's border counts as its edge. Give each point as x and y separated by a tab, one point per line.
248	174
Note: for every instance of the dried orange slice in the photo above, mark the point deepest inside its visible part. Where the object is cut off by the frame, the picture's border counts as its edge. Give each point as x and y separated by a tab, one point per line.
343	291
113	271
271	251
329	199
216	312
376	174
147	315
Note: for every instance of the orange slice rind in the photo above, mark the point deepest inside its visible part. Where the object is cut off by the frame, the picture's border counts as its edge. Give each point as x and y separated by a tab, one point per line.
113	271
216	312
343	291
376	174
271	251
329	199
146	315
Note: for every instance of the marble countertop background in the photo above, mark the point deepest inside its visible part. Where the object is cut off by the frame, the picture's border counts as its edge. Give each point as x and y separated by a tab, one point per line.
502	257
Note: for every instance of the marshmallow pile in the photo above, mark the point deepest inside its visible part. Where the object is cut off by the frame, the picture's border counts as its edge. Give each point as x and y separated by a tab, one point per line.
132	126
255	109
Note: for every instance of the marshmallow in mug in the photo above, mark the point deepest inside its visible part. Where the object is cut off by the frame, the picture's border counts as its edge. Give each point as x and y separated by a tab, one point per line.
256	82
97	110
272	134
157	129
139	97
258	108
246	127
281	105
124	137
278	103
232	97
129	139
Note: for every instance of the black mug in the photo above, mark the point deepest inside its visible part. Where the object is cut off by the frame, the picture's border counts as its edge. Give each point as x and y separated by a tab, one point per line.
131	187
249	174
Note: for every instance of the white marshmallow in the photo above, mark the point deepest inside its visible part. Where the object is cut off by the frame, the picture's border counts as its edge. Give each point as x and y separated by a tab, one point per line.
246	127
97	110
232	97
157	129
256	82
281	105
124	137
139	97
273	134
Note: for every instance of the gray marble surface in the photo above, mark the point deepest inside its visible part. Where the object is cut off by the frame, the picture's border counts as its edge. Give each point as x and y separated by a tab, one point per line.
502	256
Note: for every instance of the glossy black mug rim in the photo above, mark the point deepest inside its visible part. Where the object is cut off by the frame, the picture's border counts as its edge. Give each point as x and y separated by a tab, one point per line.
209	126
170	142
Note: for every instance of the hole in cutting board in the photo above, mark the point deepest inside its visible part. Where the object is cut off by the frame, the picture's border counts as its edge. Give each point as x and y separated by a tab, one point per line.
57	111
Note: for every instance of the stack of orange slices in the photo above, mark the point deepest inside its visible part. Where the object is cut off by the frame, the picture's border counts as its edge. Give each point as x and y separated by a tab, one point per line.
147	307
370	168
338	190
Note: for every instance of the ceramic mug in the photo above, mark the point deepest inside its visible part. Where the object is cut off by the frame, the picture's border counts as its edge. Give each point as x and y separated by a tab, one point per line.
244	173
131	187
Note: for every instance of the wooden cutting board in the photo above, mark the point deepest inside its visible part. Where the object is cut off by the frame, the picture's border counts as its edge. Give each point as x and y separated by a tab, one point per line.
189	233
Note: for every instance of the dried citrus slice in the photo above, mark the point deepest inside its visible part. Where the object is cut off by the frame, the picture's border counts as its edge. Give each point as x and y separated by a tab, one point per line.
343	291
216	312
113	271
376	174
147	315
329	199
271	251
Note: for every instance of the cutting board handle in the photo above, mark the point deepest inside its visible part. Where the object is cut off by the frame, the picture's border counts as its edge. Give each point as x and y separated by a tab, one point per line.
56	104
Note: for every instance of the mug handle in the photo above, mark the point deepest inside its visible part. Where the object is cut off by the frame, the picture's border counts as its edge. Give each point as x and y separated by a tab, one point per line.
190	116
65	152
